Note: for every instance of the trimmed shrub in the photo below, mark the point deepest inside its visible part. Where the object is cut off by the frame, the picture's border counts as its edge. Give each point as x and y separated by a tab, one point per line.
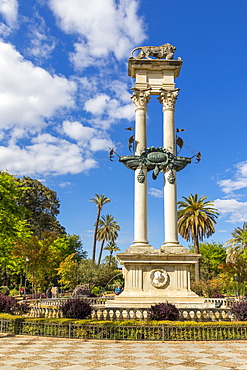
7	304
217	295
4	290
81	290
239	311
76	309
163	311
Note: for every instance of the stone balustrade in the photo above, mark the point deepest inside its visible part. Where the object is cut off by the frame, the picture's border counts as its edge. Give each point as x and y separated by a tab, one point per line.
109	313
224	302
58	302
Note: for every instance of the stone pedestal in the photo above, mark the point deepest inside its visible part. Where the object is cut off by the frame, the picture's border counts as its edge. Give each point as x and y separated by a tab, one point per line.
154	276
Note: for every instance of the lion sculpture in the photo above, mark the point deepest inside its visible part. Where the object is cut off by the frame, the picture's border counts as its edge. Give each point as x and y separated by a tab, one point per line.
160	52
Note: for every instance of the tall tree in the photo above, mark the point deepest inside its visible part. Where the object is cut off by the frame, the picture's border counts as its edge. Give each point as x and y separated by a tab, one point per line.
84	272
42	257
111	247
238	243
212	256
99	201
196	219
107	231
43	206
12	222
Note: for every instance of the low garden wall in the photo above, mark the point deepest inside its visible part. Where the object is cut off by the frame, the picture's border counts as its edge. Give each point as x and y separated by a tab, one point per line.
118	330
108	313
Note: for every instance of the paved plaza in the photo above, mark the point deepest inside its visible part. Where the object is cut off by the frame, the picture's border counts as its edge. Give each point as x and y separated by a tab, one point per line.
35	353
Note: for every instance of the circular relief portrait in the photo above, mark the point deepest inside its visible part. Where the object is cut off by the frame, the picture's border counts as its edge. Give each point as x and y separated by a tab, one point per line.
159	278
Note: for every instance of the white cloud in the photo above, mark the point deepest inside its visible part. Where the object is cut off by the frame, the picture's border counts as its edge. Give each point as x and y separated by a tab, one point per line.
29	94
41	43
100	144
156	193
103	27
65	184
97	105
239	180
87	137
77	131
47	155
235	211
111	108
9	11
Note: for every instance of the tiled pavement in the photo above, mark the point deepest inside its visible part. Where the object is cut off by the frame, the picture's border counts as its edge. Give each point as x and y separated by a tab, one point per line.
35	353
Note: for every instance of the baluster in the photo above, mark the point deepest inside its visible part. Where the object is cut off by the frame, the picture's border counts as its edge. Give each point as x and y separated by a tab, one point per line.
107	311
128	314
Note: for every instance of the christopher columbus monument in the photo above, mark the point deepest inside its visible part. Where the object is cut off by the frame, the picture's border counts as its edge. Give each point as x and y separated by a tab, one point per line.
155	275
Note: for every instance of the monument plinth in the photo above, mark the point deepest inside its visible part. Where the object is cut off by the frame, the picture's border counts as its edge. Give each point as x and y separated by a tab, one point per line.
155	275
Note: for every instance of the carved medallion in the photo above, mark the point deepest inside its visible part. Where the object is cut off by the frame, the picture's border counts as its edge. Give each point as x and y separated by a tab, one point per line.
159	278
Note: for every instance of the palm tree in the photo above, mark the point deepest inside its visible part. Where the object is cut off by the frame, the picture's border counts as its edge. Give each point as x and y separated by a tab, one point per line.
196	219
99	200
237	243
111	247
107	231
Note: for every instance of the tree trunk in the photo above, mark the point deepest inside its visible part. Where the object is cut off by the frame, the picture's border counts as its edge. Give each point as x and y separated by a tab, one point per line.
100	252
110	258
95	235
197	265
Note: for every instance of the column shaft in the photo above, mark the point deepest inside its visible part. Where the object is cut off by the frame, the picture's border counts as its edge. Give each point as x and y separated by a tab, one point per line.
140	99
168	98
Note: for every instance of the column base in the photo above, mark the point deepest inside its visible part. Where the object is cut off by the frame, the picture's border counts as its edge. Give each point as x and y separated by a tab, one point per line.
139	247
172	247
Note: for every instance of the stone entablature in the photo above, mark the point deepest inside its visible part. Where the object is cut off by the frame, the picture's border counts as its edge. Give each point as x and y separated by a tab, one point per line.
154	73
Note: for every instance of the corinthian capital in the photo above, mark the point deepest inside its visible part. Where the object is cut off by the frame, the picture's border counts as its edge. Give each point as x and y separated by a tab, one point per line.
140	97
168	98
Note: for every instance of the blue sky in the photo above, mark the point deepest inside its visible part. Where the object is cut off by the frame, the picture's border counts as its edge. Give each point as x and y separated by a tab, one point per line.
65	99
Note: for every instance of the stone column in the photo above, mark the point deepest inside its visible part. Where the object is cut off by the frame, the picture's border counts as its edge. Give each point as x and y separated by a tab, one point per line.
168	99
140	99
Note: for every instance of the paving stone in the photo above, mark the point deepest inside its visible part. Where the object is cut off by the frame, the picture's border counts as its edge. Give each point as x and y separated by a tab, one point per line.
215	367
40	367
207	360
180	367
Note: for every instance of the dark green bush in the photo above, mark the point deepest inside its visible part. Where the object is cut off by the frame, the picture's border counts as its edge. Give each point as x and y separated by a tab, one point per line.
239	311
163	311
76	309
4	290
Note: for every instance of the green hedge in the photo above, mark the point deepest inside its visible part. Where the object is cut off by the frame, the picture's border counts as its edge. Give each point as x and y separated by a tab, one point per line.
124	330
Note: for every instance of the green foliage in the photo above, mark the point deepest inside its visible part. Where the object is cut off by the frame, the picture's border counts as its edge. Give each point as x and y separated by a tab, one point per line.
196	219
208	288
43	258
107	231
43	206
212	256
12	222
4	290
99	201
234	274
112	248
73	273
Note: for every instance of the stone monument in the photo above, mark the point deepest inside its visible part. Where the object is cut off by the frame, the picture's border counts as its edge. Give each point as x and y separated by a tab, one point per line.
155	275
